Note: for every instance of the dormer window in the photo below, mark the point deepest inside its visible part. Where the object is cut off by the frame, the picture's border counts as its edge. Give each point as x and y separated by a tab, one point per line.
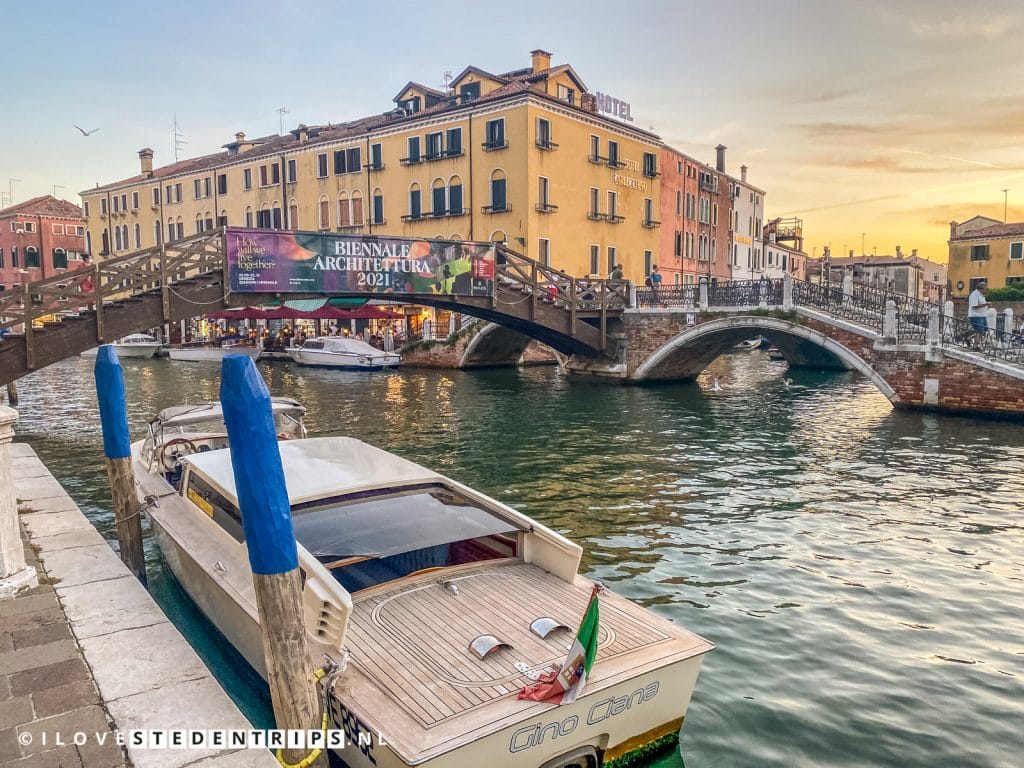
411	106
468	92
566	94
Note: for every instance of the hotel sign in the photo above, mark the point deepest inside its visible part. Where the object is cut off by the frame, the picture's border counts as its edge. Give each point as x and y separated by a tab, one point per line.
612	106
268	261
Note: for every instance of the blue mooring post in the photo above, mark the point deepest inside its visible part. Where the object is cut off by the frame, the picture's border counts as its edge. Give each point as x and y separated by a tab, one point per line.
118	451
273	556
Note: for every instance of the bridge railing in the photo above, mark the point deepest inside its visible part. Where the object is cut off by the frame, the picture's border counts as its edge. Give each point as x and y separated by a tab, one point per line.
745	293
547	283
1004	344
669	296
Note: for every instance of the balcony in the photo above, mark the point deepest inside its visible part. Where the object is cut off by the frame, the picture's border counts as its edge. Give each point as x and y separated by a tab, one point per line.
597	159
377	167
449	214
411	160
546	144
493	147
651	223
546	208
652	173
595	215
614	162
707	186
413	217
493	209
613	218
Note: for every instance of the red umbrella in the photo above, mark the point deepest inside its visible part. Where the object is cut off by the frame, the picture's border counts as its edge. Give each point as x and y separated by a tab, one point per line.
369	312
243	313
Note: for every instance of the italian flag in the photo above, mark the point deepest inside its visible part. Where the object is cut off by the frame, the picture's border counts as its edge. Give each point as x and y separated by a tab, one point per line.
563	686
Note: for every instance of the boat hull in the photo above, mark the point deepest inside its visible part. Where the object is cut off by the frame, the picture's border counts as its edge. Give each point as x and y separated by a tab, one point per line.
125	351
322	359
210	354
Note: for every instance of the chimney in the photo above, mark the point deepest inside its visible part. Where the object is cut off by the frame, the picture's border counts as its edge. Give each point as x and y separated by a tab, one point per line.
952	229
913	254
239	137
301	133
851	253
146	162
743	174
899	253
540	60
720	161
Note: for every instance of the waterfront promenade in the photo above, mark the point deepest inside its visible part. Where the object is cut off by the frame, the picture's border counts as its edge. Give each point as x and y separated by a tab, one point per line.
89	652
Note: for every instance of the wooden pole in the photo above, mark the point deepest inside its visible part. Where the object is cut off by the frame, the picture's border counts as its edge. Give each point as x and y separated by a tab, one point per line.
273	555
117	450
12	393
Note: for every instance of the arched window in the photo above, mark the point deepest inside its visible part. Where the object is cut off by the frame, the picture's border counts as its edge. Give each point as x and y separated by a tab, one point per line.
124	237
31	257
263	219
277	215
199	223
60	258
181	228
498	236
324	218
438	198
293	214
138	235
377	210
415	201
455	196
714	248
357	209
117	243
499	198
249	217
157	233
455	236
106	243
344	210
207	221
170	229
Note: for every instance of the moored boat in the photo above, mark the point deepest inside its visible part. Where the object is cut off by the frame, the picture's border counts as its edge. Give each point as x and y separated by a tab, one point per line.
343	352
444	601
205	352
140	345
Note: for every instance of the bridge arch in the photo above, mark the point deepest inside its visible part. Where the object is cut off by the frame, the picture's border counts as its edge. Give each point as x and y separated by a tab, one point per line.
494	345
691	351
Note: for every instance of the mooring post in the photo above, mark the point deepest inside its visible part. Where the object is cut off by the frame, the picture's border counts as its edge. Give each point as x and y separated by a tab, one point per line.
118	452
12	393
273	556
15	574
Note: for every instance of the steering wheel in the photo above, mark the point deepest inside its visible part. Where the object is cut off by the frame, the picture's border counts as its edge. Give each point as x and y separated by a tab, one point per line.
169	460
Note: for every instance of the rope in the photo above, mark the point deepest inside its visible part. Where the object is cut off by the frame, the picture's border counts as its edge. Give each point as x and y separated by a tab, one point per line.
331	669
220	300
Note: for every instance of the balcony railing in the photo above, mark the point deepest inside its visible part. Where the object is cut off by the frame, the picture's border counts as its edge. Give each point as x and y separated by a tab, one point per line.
411	160
546	208
595	215
506	208
597	159
614	218
548	144
491	146
413	217
651	223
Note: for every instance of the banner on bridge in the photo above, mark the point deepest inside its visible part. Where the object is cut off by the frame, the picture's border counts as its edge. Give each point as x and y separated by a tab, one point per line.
271	261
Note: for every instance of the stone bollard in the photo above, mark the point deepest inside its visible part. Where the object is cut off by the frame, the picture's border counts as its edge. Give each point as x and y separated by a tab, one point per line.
948	326
990	319
15	575
704	293
934	326
889	325
787	292
847	288
1008	328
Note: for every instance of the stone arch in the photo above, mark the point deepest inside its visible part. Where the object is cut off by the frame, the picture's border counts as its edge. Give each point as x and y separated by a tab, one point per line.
494	345
746	326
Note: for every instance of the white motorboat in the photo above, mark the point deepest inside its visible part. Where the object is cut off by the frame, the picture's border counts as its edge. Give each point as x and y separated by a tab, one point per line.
444	602
133	345
205	353
343	352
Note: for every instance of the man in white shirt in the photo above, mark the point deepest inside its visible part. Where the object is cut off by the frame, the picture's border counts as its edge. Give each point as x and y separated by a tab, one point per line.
977	310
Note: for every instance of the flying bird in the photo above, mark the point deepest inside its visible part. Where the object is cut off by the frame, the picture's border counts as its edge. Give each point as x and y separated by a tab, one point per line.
715	385
85	132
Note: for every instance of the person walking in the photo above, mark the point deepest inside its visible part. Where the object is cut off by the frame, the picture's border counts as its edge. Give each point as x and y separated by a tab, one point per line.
655	283
977	311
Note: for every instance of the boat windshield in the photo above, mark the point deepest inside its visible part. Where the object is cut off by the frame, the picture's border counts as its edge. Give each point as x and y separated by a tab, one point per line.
376	537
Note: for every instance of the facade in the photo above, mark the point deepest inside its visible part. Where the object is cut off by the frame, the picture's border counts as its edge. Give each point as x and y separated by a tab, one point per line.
39	238
521	157
747	229
984	249
892	274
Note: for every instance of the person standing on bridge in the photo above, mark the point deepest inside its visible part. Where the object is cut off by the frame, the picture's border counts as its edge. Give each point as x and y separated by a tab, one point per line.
977	311
616	273
655	283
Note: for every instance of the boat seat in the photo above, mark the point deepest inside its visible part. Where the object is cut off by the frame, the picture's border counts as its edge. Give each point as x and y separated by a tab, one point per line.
369	573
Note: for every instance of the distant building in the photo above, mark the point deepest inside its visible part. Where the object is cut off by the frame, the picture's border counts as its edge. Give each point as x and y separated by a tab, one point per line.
985	249
747	228
890	274
39	238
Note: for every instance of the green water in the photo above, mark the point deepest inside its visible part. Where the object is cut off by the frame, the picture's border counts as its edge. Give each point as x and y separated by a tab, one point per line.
860	569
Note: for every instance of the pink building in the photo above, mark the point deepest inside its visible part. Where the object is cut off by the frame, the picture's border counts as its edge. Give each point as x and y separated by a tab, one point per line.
40	238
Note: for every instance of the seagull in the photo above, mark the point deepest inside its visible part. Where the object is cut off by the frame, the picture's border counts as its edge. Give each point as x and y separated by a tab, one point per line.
715	386
787	382
85	132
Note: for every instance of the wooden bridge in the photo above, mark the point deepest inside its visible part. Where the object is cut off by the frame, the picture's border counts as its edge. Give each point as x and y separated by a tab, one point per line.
58	317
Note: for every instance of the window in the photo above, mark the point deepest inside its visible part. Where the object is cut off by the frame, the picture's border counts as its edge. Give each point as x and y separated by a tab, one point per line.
433	145
353	160
263	220
468	92
378	206
595	203
1016	251
612	213
293	215
357	210
1	258
247	178
339	162
679	203
678	244
415	203
117	243
376	157
135	201
650	164
222	184
248	216
649	212
32	257
595	259
60	257
414	150
158	232
544	133
543	188
344	211
595	149
86	204
116	204
438	198
495	134
199	223
648	262
613	154
455	198
275	173
454	142
412	106
124	202
544	251
321	165
979	252
14	251
325	212
197	184
264	178
138	238
293	175
499	202
58	229
714	214
975	281
611	258
566	94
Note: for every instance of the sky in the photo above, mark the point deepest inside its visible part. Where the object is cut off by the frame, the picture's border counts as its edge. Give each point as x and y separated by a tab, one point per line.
874	122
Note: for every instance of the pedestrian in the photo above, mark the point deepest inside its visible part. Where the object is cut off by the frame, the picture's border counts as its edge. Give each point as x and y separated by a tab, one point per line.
977	311
616	273
655	282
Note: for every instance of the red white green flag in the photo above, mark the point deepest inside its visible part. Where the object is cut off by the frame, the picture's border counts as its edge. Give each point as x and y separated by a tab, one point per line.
563	686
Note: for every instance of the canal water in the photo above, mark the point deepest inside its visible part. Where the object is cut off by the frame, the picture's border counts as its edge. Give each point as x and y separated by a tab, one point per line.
859	568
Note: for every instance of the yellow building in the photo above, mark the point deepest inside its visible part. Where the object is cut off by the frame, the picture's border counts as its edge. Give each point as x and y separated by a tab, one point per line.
985	249
523	157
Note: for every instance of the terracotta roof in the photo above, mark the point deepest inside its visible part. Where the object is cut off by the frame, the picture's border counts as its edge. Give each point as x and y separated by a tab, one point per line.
997	230
45	205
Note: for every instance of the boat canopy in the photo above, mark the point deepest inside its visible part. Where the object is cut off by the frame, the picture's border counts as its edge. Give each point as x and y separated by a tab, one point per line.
342	345
320	468
137	338
180	415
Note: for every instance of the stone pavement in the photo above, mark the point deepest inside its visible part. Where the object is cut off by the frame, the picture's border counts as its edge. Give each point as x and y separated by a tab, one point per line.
47	693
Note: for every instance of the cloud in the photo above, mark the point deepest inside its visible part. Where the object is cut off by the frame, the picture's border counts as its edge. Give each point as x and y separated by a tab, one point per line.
878	163
987	28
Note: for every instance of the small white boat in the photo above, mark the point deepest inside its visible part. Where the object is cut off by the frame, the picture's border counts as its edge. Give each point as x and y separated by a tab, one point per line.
758	342
133	345
343	352
438	602
204	352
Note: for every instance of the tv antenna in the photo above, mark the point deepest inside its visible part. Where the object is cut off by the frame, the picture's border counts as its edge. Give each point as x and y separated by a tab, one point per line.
447	77
281	112
179	139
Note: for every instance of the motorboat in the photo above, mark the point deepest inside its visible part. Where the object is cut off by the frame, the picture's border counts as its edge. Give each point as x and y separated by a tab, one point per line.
343	352
758	342
775	354
134	345
437	603
205	352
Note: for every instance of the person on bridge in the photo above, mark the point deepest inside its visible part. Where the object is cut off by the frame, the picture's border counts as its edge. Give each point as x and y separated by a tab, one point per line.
655	283
977	311
616	273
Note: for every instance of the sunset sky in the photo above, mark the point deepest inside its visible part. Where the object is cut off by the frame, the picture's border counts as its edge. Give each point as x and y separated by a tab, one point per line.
875	122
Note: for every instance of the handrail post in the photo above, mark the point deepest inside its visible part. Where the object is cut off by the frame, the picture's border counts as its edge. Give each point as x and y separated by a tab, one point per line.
889	324
703	296
165	290
533	290
572	307
97	288
26	298
934	332
787	292
604	313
